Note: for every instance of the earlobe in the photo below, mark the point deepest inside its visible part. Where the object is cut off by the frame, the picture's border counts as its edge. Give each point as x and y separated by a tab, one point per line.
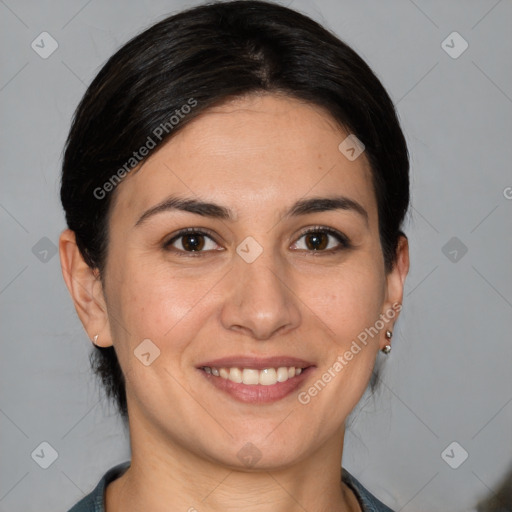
85	288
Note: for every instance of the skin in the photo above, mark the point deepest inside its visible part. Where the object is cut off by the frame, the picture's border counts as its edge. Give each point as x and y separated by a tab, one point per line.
256	155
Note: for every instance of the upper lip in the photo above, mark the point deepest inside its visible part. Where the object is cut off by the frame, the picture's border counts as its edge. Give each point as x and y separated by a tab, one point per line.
256	363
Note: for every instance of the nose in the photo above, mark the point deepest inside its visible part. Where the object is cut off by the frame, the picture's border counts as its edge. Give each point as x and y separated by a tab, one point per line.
260	301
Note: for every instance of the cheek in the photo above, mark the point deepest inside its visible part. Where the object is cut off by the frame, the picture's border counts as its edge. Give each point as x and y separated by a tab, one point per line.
349	305
150	302
150	306
349	300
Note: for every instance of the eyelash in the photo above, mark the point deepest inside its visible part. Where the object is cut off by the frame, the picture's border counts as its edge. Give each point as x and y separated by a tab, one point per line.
340	237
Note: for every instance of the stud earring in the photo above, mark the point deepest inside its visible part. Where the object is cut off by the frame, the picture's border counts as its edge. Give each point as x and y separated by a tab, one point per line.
95	339
387	347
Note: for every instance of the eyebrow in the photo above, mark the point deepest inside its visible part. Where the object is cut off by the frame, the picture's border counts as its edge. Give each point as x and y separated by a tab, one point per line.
216	211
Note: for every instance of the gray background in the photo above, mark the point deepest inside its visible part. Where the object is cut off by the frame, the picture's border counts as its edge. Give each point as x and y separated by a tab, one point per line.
448	377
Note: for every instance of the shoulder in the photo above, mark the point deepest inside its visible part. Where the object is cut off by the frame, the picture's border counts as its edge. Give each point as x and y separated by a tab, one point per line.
94	501
368	502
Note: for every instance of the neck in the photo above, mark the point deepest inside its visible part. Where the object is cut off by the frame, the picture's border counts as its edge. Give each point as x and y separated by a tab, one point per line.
174	476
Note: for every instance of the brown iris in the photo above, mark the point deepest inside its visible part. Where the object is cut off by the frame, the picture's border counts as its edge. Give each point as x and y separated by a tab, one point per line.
318	241
193	242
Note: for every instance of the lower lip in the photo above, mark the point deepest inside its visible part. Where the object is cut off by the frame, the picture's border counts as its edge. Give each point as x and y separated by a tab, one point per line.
258	394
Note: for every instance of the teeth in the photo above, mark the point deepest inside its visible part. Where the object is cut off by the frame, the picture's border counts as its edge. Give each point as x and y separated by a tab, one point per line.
252	377
268	376
235	375
282	374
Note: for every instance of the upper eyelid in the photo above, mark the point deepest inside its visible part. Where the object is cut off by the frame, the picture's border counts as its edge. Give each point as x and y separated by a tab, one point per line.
327	229
339	235
186	231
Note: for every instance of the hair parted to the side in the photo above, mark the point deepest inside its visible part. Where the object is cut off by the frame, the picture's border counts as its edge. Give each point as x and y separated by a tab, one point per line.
211	54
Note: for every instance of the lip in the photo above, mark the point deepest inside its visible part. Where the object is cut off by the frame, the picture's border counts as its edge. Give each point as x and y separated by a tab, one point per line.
257	394
256	363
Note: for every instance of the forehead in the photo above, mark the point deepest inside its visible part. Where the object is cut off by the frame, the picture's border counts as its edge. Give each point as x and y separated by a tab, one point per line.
251	152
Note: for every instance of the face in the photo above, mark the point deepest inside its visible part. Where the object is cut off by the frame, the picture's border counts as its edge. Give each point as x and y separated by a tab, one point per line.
253	284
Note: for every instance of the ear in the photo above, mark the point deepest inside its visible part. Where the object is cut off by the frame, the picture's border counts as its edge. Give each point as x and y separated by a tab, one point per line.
85	288
395	282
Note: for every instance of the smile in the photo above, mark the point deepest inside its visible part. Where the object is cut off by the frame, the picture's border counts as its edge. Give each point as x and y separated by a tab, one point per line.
256	386
252	376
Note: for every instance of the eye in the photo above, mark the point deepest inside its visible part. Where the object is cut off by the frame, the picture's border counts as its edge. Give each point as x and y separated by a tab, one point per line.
191	240
317	239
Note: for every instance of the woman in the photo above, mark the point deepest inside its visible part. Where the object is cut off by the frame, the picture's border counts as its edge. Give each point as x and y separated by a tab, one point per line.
234	184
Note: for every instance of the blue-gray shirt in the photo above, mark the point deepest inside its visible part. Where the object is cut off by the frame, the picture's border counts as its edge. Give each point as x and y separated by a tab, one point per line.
94	502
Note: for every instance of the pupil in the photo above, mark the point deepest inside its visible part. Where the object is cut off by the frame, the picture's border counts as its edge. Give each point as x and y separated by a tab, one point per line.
317	241
193	242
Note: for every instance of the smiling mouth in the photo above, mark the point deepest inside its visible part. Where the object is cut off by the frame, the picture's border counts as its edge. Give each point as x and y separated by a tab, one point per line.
254	377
